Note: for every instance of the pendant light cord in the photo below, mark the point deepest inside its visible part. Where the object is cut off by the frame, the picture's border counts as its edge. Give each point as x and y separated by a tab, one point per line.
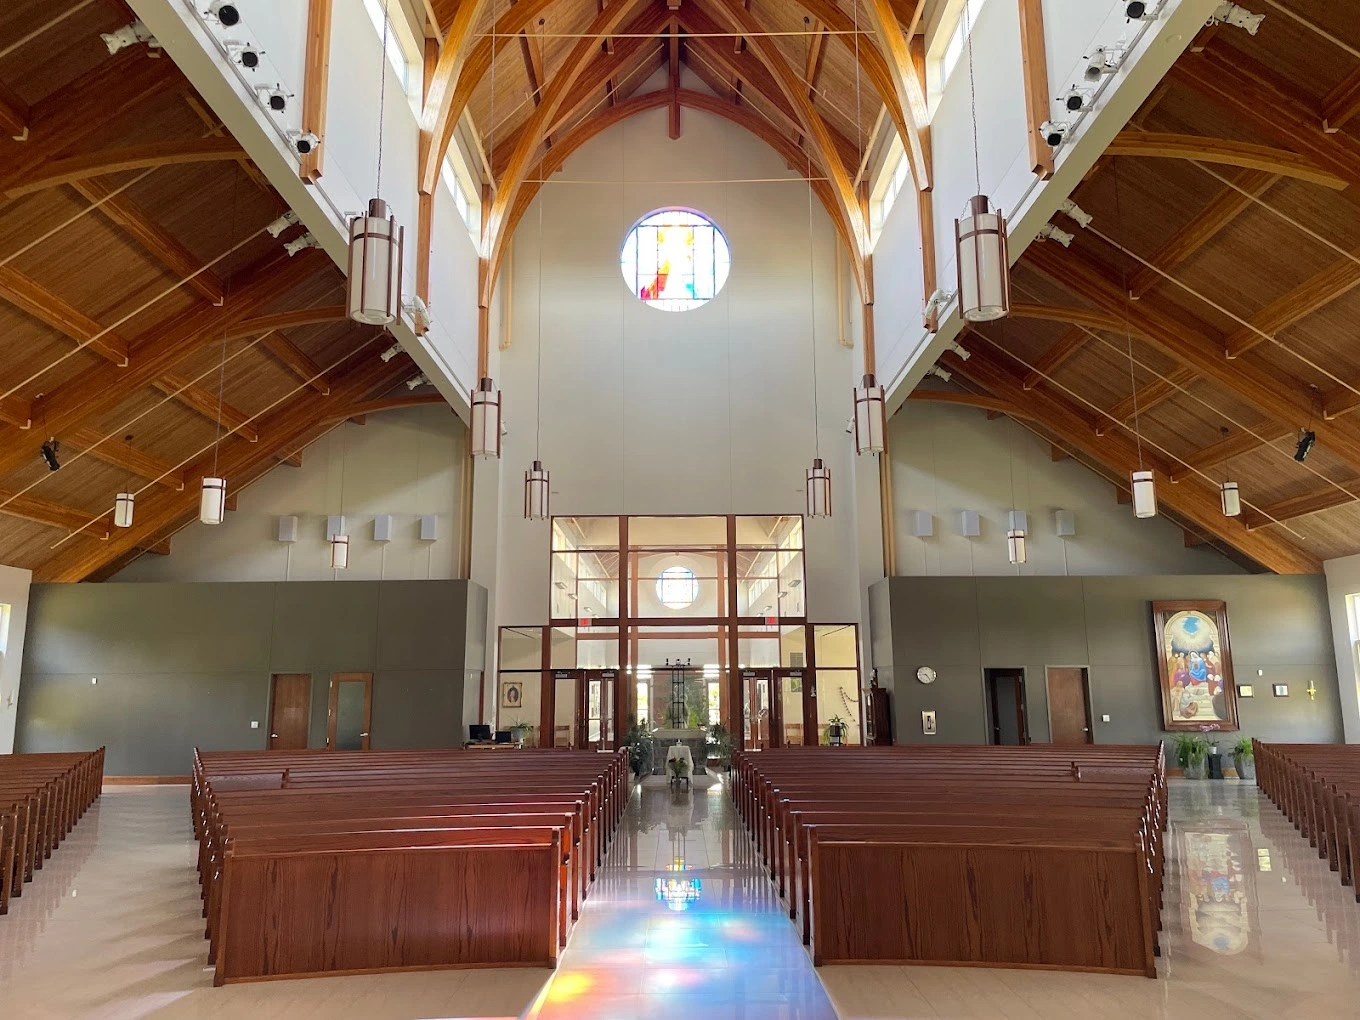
1128	315
972	91
812	291
382	95
222	368
538	371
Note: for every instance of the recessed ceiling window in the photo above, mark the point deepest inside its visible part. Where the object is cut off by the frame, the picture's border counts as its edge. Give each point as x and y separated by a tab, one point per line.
675	259
677	587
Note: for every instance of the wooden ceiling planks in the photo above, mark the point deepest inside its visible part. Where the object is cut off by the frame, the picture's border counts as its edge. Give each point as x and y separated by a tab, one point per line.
115	279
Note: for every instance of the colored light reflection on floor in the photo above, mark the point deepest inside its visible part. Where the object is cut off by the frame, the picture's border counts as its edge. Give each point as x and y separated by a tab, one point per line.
683	922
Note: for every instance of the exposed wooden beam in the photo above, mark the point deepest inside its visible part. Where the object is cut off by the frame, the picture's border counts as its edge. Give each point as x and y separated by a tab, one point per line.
1226	449
380	404
1193	539
316	72
992	405
1194	503
1212	220
131	157
1063	348
29	296
1090	318
14	114
55	515
156	241
1153	393
439	117
1227	151
281	431
161	548
673	76
812	67
101	388
1196	347
206	403
1056	453
1342	103
296	361
1034	71
287	320
532	47
292	459
16	411
1315	293
906	93
1316	500
114	450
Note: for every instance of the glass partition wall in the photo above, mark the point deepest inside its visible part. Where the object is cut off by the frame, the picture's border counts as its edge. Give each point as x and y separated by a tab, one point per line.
679	623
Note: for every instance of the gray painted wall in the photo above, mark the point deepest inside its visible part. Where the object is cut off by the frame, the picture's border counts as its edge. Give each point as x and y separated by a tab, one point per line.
962	625
188	665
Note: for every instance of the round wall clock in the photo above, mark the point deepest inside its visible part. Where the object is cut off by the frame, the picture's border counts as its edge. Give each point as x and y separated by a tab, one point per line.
926	675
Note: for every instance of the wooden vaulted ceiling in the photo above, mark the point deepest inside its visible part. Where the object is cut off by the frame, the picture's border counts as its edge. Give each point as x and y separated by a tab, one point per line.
141	296
1225	256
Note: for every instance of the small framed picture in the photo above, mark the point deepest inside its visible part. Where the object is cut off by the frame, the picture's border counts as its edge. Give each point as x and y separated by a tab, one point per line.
1244	691
1280	690
512	694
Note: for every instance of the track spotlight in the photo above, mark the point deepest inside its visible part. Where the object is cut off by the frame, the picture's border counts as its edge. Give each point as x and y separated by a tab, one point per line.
420	314
246	54
1076	213
1237	16
303	141
1055	132
299	243
937	301
273	97
391	353
1105	60
129	35
1306	441
49	451
1051	233
1077	98
1142	10
941	373
224	12
281	224
416	381
963	353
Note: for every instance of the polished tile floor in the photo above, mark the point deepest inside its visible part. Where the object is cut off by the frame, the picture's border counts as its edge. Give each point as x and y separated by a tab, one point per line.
1255	926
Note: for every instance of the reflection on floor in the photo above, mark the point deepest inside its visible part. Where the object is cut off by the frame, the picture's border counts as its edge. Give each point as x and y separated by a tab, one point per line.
1255	926
682	924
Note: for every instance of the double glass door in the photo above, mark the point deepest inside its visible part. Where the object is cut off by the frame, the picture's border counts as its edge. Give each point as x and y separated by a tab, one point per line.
774	707
583	708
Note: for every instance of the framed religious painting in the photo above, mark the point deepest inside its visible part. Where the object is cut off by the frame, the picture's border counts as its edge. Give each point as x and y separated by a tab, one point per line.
1194	665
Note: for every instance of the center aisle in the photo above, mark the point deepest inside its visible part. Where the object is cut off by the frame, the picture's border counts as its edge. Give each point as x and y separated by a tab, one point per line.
682	923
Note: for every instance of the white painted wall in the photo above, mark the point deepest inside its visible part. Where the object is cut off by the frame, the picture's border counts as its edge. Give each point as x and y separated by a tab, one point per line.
949	459
708	411
14	585
1343	585
404	463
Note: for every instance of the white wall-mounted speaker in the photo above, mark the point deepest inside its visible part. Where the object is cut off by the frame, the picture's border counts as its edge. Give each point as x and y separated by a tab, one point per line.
921	523
335	525
382	528
1018	520
288	528
429	528
970	523
1065	523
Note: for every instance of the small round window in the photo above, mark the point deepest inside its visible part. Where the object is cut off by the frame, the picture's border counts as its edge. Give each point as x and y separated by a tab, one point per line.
677	588
675	259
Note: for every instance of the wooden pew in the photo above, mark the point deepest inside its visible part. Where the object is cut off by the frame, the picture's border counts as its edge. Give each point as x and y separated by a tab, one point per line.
1317	787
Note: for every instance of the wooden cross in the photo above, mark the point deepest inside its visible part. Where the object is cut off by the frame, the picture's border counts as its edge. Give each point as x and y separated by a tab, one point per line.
1312	691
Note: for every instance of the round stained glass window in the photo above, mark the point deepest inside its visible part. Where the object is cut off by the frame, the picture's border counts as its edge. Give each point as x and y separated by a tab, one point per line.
675	259
677	588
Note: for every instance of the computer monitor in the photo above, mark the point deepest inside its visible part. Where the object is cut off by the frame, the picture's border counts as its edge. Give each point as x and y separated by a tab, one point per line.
503	736
478	731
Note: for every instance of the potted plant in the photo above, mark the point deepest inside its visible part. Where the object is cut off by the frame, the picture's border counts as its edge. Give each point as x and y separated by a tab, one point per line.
639	744
1244	759
679	769
1191	751
835	731
720	746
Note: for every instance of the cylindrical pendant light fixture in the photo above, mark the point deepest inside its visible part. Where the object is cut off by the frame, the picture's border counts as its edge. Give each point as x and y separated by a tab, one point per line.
983	262
1231	498
1015	546
122	509
536	493
375	244
870	419
339	552
1144	495
818	489
486	420
212	500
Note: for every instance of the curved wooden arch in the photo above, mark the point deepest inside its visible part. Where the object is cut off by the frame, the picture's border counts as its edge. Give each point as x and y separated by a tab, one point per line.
1075	316
977	400
284	320
1225	151
608	117
132	157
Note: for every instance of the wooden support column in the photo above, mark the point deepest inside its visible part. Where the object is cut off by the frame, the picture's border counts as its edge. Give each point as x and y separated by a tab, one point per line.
425	201
315	80
734	691
627	683
675	81
1034	66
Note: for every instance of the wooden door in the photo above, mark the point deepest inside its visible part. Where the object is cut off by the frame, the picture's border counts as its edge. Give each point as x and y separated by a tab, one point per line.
1006	698
290	711
351	712
1069	705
